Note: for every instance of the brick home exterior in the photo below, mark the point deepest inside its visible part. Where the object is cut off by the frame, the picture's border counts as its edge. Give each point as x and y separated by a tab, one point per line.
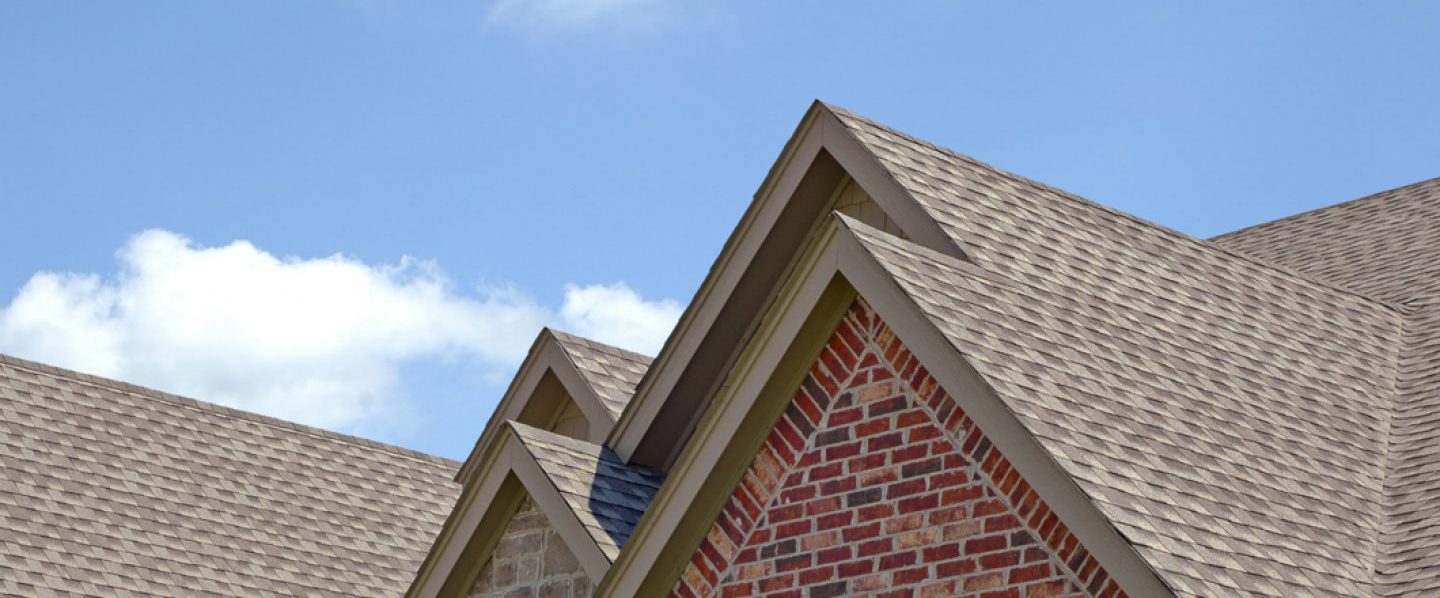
531	561
875	482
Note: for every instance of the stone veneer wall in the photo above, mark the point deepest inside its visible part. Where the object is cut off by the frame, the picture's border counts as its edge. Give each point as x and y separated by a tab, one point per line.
531	560
875	482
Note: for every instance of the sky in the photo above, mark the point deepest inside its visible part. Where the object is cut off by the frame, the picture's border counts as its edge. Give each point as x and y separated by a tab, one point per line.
358	214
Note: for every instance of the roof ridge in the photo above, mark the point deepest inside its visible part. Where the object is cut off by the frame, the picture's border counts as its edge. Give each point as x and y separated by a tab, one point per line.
205	406
1092	204
564	336
1333	206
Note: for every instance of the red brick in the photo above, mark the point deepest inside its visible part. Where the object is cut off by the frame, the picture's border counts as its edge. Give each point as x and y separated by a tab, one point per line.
999	560
816	575
874	547
856	568
834	520
832	555
1045	589
779	582
941	552
794	528
912	575
985	544
872	427
880	474
897	560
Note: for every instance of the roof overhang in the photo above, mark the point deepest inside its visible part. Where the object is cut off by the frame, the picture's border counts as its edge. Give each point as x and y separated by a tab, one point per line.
505	473
788	211
834	270
527	390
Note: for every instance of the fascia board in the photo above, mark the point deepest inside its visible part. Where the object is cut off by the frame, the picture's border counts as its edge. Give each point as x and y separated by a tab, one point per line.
507	457
843	255
820	130
546	355
722	421
557	359
522	385
561	517
770	200
957	376
475	500
865	168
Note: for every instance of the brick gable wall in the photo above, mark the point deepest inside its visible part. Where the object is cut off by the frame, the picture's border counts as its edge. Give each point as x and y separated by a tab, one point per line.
874	482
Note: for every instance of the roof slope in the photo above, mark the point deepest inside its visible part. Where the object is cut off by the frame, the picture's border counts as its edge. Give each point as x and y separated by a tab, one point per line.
608	496
1229	417
1386	245
112	489
610	371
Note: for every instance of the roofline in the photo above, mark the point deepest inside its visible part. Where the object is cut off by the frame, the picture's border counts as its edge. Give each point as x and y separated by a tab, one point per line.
504	458
208	407
546	355
656	549
1095	205
1316	211
820	132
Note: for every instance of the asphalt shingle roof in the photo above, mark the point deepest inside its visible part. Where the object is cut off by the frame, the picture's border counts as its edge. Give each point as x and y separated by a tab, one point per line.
1230	417
1387	246
610	371
110	489
607	495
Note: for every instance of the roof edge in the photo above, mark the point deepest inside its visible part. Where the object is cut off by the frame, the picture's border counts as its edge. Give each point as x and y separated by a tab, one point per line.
199	405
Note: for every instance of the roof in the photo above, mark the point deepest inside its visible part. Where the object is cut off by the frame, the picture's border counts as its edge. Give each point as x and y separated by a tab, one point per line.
607	495
611	372
1387	246
112	489
1230	417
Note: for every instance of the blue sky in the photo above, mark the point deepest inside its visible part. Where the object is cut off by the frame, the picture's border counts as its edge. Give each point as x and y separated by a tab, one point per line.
358	214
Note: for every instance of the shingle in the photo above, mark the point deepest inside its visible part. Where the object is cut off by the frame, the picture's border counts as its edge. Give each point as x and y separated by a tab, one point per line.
112	489
605	493
610	371
1385	245
1229	416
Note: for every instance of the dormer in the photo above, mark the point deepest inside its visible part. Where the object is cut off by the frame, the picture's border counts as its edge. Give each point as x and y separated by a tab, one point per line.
569	385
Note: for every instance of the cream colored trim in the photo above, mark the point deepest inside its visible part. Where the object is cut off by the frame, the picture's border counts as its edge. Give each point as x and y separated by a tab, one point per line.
462	522
562	517
546	355
820	130
883	189
666	535
599	417
780	183
507	456
682	489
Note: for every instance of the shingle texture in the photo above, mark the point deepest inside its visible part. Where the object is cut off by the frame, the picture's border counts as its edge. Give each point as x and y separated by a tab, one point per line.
610	371
607	495
108	489
1230	417
1387	246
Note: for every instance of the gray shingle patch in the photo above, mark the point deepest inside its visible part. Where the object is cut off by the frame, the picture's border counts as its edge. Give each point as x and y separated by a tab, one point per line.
608	496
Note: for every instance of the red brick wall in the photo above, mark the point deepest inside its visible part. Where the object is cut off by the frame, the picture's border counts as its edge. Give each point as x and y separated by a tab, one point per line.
875	482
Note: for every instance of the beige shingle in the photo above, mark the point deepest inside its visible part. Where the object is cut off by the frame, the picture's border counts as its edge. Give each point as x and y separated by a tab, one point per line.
110	489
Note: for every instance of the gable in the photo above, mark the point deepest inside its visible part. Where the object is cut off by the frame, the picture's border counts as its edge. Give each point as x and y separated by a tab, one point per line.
873	479
789	211
530	559
585	494
567	384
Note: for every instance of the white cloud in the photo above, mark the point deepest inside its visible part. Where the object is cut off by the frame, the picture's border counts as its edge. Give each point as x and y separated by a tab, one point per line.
318	341
572	14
